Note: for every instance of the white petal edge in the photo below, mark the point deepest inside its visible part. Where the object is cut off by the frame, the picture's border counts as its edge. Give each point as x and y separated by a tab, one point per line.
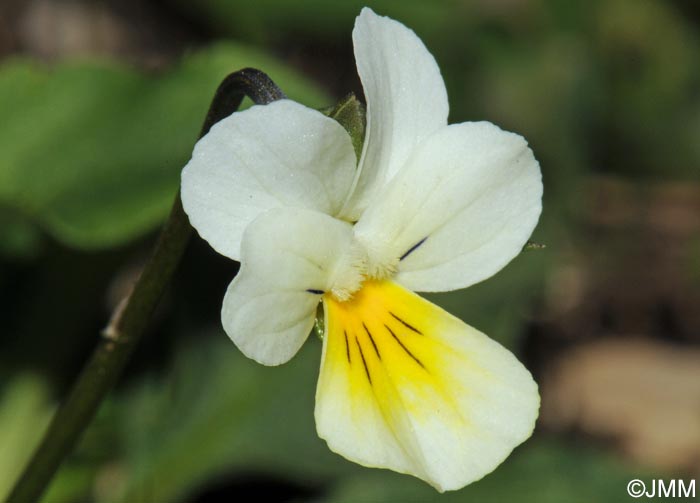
406	101
447	405
278	155
464	206
289	257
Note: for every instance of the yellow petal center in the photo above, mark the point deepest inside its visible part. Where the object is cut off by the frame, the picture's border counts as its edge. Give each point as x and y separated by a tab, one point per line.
381	336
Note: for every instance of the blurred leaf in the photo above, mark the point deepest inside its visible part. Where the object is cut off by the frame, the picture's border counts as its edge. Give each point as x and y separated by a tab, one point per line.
540	472
93	151
19	238
90	468
219	412
73	483
267	19
648	57
25	411
635	45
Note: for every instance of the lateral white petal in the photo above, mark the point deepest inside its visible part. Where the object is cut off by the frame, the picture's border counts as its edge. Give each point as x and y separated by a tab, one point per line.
406	101
278	155
405	385
288	260
463	207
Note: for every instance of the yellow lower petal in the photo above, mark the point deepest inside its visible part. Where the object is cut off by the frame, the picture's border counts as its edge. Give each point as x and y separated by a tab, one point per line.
404	385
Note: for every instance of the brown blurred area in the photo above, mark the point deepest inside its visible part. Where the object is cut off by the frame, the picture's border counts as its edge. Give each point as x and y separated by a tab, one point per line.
139	32
619	336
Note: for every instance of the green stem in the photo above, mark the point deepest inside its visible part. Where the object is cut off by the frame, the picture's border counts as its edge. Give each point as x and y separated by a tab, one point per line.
131	317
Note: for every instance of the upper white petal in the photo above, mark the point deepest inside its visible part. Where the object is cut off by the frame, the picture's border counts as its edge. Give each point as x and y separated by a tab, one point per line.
289	256
469	197
276	155
406	101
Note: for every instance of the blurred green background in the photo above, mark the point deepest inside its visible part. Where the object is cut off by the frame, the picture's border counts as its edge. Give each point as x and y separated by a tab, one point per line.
100	105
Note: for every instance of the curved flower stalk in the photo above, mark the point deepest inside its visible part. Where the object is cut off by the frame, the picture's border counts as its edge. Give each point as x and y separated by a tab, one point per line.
429	207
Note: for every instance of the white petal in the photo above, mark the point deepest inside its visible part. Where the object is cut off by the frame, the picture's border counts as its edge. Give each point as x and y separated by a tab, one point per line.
406	101
278	155
288	260
405	385
463	208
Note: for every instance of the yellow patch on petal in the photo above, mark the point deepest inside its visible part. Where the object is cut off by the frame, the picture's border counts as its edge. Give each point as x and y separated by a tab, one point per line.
407	386
384	336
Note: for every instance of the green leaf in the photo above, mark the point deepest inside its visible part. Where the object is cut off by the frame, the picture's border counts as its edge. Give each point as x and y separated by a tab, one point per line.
217	413
93	151
19	237
25	411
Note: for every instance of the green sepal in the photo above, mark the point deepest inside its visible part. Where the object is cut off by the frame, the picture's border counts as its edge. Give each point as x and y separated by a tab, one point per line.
319	323
350	113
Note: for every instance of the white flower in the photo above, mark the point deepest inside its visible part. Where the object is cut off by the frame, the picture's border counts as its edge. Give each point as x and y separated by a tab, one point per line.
430	207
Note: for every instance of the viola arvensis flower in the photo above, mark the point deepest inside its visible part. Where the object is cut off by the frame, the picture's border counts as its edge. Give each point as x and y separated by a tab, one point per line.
429	207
